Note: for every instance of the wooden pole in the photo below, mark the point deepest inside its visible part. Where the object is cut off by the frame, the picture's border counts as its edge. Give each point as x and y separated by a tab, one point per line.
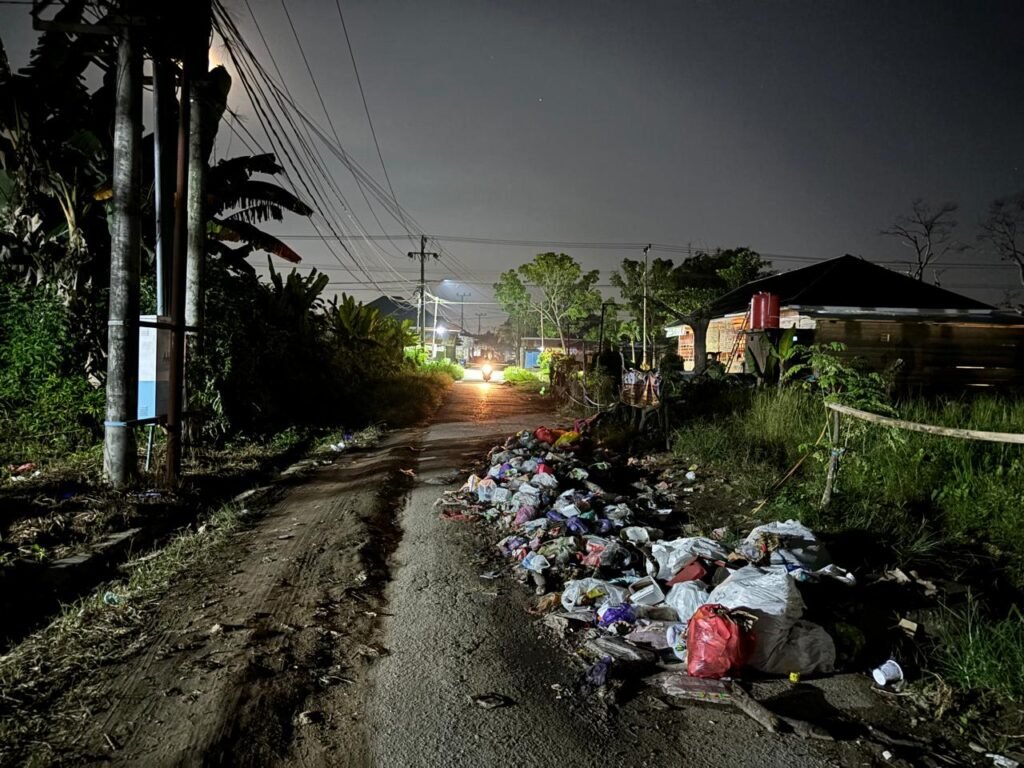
833	462
931	429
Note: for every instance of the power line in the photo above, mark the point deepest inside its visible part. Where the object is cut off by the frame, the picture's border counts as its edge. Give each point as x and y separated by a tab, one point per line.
366	108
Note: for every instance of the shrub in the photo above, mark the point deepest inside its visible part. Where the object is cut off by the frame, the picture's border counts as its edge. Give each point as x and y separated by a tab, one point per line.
449	367
517	375
47	406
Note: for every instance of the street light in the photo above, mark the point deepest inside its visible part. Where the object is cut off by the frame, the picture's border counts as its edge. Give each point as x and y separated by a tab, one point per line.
439	332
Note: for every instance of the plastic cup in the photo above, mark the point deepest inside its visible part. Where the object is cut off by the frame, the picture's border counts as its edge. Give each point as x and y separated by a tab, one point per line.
887	673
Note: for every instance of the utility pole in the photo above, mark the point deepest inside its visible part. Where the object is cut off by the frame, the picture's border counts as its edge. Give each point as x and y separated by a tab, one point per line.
196	220
163	175
196	208
479	318
462	310
644	364
196	49
422	254
119	453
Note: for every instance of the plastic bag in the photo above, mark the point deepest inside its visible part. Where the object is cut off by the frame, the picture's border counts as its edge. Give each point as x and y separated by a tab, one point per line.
609	614
788	543
686	598
716	645
672	556
784	643
544	480
591	592
675	638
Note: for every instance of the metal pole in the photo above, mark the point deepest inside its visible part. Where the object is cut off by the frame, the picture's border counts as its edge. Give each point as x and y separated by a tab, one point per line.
177	362
433	336
644	364
423	288
196	52
119	451
163	177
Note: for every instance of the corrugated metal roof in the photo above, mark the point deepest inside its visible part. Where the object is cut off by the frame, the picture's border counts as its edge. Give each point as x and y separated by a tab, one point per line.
848	281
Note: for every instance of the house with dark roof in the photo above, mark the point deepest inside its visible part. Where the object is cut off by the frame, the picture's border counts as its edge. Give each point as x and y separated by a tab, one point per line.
938	338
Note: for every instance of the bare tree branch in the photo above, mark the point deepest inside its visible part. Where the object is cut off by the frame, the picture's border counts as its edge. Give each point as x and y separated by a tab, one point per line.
1003	228
928	232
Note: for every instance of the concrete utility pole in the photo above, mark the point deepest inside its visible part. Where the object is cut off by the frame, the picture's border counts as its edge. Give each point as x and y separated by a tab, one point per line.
196	215
421	316
462	311
644	364
479	318
119	456
196	197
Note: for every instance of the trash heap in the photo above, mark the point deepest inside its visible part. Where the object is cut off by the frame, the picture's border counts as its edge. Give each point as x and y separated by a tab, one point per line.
605	571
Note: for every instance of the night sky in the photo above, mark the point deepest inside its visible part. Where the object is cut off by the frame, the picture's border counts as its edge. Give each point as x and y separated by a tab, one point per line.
799	129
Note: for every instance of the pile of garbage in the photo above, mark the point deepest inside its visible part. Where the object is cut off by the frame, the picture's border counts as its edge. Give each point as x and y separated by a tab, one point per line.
601	562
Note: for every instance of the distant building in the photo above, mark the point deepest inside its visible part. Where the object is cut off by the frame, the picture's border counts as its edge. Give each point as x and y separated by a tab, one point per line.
944	340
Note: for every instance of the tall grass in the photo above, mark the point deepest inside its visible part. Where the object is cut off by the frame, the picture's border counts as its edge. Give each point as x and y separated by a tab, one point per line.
946	502
917	488
981	655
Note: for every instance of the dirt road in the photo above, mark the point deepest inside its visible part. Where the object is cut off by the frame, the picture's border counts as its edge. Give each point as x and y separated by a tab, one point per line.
349	626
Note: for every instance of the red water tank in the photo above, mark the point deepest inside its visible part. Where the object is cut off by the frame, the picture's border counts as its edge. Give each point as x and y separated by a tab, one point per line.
764	311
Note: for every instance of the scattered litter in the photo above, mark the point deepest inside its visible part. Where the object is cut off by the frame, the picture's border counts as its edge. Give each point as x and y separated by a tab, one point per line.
1002	761
491	700
888	675
633	584
109	598
310	717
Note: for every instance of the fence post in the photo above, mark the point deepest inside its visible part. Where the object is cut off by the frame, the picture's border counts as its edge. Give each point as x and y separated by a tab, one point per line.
833	462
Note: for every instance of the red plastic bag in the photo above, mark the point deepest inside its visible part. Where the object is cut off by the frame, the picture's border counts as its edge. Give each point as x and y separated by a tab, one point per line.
716	644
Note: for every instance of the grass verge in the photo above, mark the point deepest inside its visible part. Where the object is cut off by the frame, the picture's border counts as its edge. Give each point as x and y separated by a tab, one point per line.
100	629
981	655
945	505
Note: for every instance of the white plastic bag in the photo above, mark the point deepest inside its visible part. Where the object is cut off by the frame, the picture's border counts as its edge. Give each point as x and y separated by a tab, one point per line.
673	556
686	598
798	547
591	592
544	480
784	643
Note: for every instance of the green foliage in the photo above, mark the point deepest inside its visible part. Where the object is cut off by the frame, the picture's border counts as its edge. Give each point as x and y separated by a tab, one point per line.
983	655
917	490
566	292
47	407
239	203
448	367
661	295
839	379
516	375
407	398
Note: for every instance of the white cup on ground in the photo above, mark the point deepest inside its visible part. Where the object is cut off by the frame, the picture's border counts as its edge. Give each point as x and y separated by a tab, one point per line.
887	673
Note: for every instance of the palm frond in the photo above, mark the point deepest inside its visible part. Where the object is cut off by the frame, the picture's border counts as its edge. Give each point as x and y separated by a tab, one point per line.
244	232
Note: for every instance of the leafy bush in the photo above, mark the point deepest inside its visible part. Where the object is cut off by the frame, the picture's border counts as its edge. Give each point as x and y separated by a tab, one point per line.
406	399
449	367
47	406
517	375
